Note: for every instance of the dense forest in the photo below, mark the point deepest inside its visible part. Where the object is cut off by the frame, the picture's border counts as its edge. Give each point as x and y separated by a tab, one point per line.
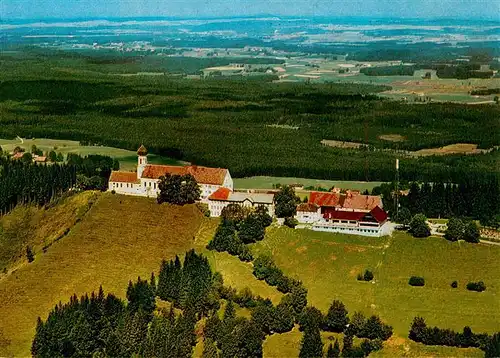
237	124
23	182
477	199
389	71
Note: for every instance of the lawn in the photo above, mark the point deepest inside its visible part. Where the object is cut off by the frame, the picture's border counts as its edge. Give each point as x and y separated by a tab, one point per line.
127	158
264	182
120	238
328	265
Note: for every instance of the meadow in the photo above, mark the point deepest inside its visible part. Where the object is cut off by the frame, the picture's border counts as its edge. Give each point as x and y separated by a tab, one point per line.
329	263
127	158
119	239
264	182
229	123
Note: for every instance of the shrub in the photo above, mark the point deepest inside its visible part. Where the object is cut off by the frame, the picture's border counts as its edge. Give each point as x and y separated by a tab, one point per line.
290	222
29	254
360	277
454	284
416	281
245	254
476	286
419	227
368	276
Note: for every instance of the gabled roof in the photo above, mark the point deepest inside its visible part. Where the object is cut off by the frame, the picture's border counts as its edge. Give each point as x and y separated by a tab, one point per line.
379	214
324	198
203	175
220	194
308	207
123	177
331	213
225	194
349	200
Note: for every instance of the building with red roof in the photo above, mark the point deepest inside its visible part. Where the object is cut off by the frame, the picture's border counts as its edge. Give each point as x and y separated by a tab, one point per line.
349	213
144	181
225	196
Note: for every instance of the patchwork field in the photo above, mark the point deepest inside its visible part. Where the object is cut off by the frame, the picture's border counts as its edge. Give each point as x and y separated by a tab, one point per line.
119	239
127	158
265	182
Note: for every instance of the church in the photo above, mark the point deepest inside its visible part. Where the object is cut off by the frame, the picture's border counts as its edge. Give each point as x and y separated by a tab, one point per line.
144	182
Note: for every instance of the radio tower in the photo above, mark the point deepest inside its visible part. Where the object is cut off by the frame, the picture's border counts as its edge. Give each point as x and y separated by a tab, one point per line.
396	189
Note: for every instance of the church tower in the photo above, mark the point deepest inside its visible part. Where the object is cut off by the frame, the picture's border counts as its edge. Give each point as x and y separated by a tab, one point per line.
142	160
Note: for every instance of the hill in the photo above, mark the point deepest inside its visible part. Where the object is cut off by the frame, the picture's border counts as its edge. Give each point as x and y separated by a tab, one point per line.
119	239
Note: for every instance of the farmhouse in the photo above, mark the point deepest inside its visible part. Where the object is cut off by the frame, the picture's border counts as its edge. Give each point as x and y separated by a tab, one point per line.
225	196
348	213
144	182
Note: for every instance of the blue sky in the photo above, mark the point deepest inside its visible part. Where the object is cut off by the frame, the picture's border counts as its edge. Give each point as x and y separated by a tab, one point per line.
465	9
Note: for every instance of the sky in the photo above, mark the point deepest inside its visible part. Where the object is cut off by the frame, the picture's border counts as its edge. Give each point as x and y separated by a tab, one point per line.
40	9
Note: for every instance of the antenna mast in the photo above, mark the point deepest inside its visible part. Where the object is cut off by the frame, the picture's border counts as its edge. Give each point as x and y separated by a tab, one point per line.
396	189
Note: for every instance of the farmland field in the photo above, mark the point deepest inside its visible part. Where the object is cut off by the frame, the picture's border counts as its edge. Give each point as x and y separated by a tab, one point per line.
127	158
100	249
242	124
263	182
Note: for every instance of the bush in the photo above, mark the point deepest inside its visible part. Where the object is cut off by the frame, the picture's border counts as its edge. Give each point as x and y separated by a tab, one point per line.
419	227
476	286
290	222
360	277
29	254
416	281
368	276
454	284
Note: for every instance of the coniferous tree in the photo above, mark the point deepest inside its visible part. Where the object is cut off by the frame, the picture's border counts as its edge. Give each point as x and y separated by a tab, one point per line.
310	317
333	351
283	318
311	345
209	349
347	346
336	319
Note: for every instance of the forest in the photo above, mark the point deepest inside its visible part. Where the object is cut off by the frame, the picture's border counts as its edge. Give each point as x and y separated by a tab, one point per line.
236	124
23	182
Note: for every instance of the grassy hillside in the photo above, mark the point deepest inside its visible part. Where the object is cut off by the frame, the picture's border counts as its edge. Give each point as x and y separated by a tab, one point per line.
328	265
38	227
119	239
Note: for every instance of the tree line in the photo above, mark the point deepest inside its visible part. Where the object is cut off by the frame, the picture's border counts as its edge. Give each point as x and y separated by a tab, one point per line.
477	199
24	182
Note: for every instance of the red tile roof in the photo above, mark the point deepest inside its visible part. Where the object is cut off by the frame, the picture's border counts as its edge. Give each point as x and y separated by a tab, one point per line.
123	177
330	213
350	200
203	175
220	194
379	214
324	199
308	207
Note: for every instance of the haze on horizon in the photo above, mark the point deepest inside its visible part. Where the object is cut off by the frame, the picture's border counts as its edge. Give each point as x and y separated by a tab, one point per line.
414	9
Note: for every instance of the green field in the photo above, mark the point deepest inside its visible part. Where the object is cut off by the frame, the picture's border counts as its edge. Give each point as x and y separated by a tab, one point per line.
120	238
127	158
263	182
328	265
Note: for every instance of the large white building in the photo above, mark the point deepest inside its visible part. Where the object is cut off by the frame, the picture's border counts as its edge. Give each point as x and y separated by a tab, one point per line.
144	182
224	196
347	213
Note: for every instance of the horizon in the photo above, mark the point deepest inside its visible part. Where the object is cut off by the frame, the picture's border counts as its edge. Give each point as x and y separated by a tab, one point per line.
465	10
